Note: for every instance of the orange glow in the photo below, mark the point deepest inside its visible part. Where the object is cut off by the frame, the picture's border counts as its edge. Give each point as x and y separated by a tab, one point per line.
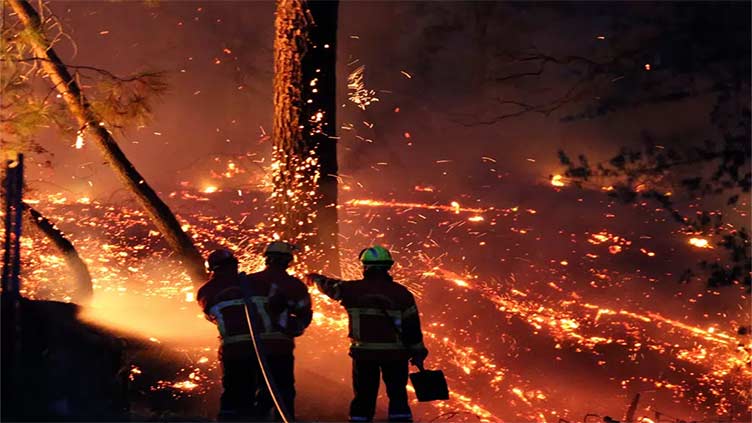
185	385
79	140
564	315
454	207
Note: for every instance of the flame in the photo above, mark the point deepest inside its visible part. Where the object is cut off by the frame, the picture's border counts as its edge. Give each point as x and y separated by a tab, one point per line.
454	206
700	243
557	181
186	385
79	140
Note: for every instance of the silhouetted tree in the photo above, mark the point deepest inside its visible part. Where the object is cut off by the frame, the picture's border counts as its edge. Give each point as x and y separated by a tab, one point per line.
30	44
83	286
662	54
645	54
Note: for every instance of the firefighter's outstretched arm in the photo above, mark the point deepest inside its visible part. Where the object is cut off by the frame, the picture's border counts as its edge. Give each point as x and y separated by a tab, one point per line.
332	288
412	335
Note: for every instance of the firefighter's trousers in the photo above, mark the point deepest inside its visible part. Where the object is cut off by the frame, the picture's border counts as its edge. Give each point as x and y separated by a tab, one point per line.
365	376
245	396
282	369
239	383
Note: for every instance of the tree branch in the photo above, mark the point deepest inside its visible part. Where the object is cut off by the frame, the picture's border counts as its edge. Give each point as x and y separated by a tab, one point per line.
92	68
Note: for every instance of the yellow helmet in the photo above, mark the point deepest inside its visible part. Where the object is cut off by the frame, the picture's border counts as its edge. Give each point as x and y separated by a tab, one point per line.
376	256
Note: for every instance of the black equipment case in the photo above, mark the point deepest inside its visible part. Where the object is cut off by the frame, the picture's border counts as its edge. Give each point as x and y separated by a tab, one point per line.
430	385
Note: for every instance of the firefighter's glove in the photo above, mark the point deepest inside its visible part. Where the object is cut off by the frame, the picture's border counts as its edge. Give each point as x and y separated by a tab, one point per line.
417	357
418	362
314	278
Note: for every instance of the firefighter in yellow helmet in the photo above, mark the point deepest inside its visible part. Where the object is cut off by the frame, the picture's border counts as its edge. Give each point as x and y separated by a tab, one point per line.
384	331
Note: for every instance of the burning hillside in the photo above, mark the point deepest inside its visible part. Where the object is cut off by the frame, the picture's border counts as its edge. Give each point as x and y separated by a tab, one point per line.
533	317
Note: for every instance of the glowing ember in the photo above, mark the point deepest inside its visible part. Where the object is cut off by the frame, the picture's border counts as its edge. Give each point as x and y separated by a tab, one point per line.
79	140
185	385
358	93
557	181
461	283
454	206
700	243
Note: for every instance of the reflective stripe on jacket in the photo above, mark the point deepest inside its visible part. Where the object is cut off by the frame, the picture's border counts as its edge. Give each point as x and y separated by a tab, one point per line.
227	314
283	309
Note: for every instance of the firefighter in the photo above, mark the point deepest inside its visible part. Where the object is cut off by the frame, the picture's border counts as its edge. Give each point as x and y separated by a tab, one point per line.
285	311
222	300
384	331
282	308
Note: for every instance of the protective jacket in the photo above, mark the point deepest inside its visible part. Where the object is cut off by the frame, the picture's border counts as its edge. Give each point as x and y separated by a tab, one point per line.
281	303
383	317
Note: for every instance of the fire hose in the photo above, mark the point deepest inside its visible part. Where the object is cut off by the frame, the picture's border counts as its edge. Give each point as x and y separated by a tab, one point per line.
263	365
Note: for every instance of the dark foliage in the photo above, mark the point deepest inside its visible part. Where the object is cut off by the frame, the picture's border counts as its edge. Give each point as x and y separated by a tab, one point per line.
681	51
65	369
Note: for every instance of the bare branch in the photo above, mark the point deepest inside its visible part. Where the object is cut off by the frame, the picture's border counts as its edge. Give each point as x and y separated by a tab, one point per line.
101	71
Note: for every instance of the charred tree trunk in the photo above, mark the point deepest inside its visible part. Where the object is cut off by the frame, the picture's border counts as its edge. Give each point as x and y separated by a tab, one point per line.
10	296
80	271
158	211
304	132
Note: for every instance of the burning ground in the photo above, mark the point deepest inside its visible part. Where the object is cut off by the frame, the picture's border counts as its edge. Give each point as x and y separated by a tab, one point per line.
550	307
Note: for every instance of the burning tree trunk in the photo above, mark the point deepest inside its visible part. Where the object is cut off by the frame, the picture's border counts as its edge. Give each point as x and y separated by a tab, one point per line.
158	211
80	271
305	148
